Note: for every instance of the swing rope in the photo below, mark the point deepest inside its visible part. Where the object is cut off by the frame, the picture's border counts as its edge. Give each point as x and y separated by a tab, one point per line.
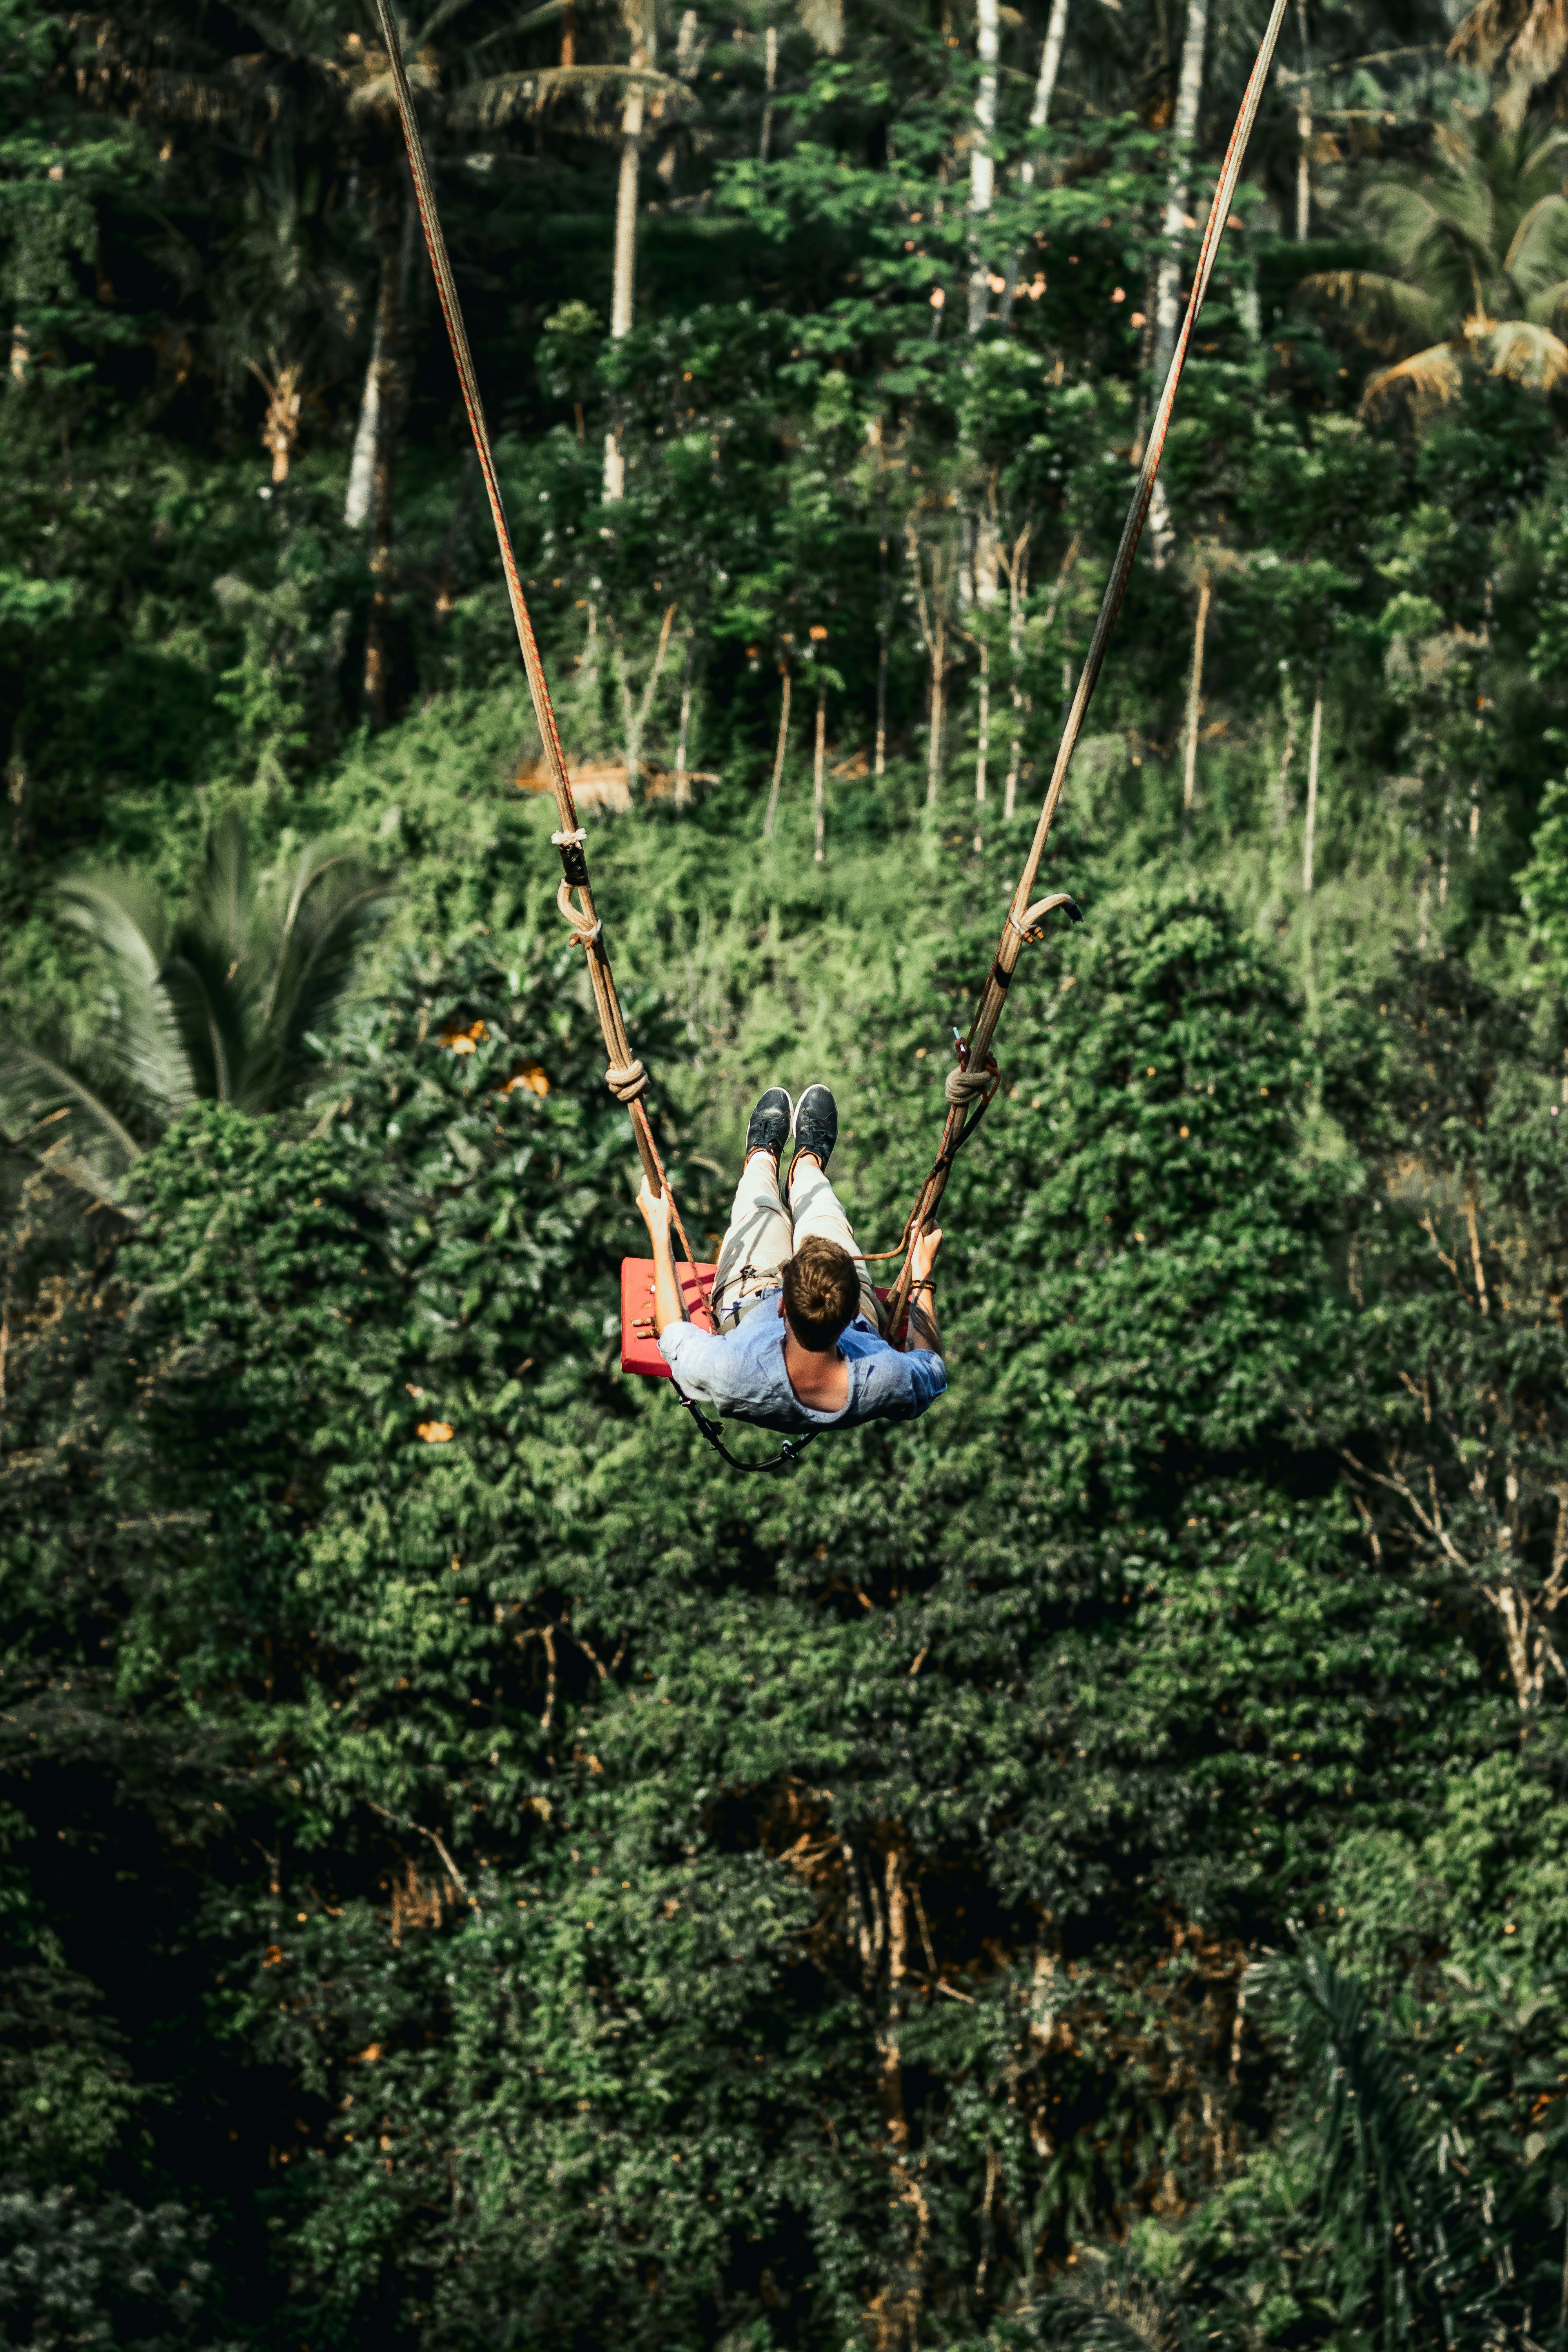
625	1076
974	1079
971	1087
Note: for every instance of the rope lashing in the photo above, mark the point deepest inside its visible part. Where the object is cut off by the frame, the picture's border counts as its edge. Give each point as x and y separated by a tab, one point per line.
1023	916
625	1075
964	1087
583	933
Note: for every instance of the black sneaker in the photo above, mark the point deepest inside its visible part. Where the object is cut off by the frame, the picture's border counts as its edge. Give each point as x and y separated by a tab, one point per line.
817	1124
769	1126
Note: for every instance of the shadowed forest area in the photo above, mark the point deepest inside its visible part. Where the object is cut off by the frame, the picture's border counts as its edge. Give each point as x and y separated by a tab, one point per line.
1088	1868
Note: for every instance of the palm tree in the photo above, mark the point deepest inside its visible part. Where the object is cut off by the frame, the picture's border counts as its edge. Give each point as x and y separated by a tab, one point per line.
1393	2223
218	1003
1530	37
1479	268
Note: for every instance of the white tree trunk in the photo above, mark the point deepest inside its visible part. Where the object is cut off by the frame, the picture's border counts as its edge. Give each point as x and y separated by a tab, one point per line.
779	755
623	289
1304	165
770	78
1183	130
1194	706
819	788
938	701
361	465
1039	115
981	162
21	353
1168	283
1310	840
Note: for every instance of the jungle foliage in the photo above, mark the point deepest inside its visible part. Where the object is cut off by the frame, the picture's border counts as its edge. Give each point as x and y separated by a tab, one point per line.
1087	1868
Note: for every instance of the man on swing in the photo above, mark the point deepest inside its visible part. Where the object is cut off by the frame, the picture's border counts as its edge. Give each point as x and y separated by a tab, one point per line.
796	1341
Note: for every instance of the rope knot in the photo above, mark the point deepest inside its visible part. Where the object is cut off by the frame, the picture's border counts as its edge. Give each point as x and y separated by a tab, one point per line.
626	1080
964	1087
583	933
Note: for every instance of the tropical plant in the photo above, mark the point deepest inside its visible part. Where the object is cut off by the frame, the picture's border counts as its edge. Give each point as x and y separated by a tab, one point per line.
1478	275
1528	37
1391	2220
219	1003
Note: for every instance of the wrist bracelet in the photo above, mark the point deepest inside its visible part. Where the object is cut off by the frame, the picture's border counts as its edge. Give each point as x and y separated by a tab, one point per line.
925	1284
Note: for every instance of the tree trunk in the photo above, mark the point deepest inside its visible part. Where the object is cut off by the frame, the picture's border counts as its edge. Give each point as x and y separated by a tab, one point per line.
634	717
884	623
819	791
770	76
1039	115
1194	706
361	465
1282	784
682	779
1168	285
396	228
938	696
983	743
1304	135
623	291
1483	704
1304	164
21	352
1017	570
981	164
779	754
1309	839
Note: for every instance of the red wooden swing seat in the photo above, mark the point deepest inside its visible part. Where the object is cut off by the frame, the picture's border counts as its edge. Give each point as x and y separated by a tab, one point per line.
639	1338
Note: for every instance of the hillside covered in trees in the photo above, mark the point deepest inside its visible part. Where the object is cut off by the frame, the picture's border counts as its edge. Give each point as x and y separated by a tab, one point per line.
1088	1868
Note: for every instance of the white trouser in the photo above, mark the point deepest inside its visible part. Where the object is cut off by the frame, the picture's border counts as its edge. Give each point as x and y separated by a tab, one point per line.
765	1232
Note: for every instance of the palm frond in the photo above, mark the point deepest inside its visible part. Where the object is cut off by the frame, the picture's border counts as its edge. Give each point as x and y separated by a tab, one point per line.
1431	378
1382	2190
1549	307
1540	44
125	918
39	1088
1439	230
224	906
1102	2304
211	1007
1525	354
1385	312
332	901
500	98
378	92
1538	253
1485	31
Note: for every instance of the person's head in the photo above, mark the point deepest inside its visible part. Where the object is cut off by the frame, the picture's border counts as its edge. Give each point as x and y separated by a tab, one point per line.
821	1294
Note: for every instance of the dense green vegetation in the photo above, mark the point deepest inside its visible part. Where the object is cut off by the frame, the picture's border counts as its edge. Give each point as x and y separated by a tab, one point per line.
1088	1867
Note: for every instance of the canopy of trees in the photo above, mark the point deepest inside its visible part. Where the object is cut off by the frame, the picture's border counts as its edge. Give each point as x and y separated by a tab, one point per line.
1090	1868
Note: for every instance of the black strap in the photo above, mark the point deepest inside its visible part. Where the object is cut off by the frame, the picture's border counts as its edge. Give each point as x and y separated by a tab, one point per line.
788	1454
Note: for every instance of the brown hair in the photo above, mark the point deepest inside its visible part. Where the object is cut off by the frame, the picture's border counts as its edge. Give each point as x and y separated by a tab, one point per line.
821	1293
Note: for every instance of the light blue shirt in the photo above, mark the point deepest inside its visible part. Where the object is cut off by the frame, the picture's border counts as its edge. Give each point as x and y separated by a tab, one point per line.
742	1373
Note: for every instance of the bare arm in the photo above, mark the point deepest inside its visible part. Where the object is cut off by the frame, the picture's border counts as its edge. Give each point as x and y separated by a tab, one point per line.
667	1306
924	1332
